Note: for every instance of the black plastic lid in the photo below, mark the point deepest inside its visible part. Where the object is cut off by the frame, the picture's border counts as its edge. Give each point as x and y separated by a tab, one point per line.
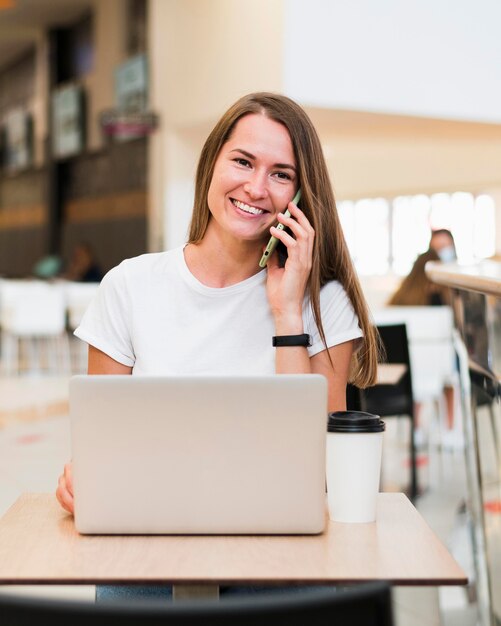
354	422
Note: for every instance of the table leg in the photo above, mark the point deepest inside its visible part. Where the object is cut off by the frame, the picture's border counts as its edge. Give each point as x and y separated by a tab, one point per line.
195	592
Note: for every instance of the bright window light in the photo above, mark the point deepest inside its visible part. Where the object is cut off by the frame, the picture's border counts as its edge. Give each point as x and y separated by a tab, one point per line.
386	236
462	225
441	211
346	212
410	232
372	240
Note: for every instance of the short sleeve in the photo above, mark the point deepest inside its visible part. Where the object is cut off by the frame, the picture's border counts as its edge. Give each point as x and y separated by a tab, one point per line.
339	320
107	323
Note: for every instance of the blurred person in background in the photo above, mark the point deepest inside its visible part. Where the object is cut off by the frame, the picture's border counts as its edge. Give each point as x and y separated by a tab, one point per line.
83	266
417	289
442	242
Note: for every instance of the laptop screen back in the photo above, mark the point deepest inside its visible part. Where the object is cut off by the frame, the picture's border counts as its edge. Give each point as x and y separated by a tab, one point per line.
199	454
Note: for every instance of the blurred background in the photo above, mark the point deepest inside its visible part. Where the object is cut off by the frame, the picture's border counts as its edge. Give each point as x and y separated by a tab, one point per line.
104	106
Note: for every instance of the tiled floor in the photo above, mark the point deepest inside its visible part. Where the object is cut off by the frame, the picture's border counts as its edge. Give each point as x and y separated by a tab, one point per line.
34	444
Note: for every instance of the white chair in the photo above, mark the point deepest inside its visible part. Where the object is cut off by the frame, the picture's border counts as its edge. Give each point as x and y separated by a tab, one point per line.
78	297
33	316
431	350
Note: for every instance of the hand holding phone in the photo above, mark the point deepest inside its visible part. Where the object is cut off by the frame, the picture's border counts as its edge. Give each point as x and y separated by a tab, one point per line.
272	244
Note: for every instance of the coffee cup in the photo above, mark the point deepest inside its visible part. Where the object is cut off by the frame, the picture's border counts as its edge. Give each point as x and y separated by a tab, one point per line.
354	450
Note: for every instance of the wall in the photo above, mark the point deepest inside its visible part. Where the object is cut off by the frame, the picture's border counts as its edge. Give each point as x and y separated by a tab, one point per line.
371	155
204	55
23	222
23	206
418	57
17	83
104	190
207	54
110	20
104	202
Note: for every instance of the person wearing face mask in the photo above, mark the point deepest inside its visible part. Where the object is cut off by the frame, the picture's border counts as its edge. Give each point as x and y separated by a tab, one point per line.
442	242
417	290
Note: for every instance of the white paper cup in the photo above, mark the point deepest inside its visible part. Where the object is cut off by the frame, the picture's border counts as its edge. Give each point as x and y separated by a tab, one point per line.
354	449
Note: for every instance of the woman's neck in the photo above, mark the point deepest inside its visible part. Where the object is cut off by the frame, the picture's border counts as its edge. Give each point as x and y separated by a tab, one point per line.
216	264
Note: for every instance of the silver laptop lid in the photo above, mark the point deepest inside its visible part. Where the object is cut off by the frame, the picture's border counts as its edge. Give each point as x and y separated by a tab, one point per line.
199	454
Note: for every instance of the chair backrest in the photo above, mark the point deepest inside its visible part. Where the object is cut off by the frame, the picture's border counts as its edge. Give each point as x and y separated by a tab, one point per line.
423	322
78	298
429	331
32	308
364	605
396	342
395	399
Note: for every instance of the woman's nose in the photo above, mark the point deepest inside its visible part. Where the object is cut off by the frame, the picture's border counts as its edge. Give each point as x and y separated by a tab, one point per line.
256	186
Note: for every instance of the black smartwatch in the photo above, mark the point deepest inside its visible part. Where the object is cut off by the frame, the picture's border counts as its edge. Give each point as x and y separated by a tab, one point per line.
292	340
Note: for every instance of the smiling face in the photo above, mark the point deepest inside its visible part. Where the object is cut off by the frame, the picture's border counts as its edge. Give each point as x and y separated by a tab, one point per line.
254	179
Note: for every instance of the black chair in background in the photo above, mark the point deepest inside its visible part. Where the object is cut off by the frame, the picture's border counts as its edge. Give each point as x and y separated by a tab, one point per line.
394	400
363	605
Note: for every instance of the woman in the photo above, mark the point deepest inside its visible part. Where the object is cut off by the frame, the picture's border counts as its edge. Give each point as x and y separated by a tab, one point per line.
208	307
417	289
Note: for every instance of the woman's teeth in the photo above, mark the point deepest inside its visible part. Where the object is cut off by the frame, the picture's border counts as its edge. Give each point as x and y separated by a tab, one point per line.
248	209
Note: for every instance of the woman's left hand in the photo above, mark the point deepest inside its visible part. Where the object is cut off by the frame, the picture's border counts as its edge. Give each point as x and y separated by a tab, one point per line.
286	285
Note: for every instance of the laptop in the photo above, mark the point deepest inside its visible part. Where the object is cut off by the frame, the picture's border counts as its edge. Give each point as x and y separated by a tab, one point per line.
199	454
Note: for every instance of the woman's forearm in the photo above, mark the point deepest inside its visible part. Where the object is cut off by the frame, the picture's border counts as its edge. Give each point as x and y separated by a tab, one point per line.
291	359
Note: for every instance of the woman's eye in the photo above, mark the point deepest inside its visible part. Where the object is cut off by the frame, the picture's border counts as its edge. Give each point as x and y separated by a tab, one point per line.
283	176
243	162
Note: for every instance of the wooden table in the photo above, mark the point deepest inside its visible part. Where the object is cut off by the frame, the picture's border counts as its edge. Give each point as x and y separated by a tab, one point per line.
39	544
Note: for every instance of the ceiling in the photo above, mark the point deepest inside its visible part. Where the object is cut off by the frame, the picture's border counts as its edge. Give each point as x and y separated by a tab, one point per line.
22	23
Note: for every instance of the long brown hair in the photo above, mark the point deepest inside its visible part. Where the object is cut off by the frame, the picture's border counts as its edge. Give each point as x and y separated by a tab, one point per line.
416	289
331	259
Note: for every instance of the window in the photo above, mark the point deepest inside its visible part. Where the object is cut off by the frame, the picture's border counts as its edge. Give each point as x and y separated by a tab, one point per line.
386	236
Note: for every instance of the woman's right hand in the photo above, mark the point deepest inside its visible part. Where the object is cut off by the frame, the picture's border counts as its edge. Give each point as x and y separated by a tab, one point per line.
64	491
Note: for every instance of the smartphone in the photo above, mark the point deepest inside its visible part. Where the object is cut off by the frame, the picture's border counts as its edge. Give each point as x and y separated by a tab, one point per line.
272	243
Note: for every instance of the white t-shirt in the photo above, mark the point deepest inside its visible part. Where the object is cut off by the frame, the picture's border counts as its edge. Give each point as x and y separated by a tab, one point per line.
153	315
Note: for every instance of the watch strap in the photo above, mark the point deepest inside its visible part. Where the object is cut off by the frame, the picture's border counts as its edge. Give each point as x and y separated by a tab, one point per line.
292	340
